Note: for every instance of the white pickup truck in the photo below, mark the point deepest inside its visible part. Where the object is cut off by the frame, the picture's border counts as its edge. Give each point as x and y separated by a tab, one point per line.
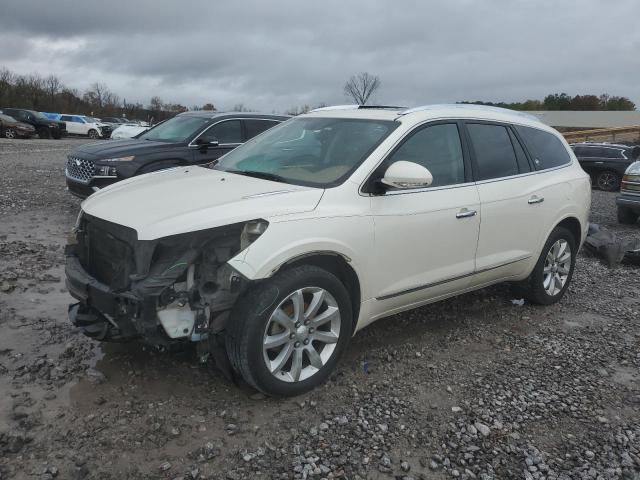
86	126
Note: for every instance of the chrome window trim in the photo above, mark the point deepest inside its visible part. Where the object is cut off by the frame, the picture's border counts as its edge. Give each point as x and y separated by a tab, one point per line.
457	185
192	144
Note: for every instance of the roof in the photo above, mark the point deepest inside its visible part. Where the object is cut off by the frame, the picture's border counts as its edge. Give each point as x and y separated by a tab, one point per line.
211	114
429	112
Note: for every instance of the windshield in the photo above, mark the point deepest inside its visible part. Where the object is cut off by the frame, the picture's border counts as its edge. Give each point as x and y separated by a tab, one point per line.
177	129
40	115
319	152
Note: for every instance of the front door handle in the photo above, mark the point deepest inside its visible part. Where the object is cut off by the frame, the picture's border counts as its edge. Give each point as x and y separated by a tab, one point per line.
466	213
535	199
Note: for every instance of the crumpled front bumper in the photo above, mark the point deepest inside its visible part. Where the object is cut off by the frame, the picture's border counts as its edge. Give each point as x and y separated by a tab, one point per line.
101	312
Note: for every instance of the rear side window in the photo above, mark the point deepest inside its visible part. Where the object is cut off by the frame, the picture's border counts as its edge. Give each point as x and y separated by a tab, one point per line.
495	157
256	127
438	149
546	149
611	153
66	118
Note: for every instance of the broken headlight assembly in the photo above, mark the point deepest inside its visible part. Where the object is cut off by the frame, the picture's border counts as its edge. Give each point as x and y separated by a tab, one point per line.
251	232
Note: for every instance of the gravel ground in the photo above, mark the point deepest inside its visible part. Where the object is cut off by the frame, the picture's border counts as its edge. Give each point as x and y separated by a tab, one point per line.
472	387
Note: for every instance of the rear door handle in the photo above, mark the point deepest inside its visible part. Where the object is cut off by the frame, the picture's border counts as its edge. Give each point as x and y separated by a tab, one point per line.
535	199
466	213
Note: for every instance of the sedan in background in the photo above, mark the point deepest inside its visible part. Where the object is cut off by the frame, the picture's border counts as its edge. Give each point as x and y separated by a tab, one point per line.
191	138
11	128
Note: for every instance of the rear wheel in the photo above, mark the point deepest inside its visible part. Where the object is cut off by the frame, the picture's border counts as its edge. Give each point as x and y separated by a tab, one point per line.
627	216
609	181
10	133
286	336
552	273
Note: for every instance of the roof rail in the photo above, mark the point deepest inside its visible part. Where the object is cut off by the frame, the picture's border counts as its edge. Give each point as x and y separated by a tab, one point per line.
471	106
335	107
357	107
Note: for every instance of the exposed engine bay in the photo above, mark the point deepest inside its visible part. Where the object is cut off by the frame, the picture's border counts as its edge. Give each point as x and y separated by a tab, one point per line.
162	292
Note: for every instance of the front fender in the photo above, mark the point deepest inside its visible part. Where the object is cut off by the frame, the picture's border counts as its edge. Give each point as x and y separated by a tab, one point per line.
349	237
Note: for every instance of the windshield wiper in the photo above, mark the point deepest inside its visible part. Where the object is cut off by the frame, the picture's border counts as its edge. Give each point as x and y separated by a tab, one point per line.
263	175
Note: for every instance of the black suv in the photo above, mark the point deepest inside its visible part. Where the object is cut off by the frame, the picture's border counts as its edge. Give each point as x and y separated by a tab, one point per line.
186	139
45	127
605	162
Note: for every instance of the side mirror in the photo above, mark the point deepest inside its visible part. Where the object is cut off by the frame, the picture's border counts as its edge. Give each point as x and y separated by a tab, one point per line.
201	142
406	175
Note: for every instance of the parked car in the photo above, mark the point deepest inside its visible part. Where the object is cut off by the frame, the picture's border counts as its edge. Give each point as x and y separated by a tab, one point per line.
605	162
314	229
128	130
86	126
114	122
45	127
11	128
190	138
628	201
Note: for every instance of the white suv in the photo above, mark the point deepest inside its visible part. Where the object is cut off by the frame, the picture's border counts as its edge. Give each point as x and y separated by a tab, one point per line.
81	125
320	226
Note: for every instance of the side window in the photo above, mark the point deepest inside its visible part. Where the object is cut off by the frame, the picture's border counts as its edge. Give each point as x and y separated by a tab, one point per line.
611	153
547	149
494	152
229	131
580	151
437	148
256	127
65	118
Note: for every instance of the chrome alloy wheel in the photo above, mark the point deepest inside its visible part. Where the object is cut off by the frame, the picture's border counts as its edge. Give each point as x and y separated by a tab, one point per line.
301	334
557	266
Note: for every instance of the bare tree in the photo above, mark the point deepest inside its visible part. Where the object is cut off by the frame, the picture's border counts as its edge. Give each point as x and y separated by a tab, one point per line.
53	86
156	104
360	87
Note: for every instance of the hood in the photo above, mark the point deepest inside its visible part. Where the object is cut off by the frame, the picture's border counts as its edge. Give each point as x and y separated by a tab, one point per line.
186	199
120	148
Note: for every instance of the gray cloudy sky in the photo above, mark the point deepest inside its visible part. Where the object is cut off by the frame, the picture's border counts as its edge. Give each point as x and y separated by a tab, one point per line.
272	55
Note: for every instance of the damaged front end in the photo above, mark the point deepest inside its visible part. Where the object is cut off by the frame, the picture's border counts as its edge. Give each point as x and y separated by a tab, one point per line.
162	292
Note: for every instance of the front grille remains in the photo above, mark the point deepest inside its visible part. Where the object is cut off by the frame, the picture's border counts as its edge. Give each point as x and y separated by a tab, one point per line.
105	251
79	169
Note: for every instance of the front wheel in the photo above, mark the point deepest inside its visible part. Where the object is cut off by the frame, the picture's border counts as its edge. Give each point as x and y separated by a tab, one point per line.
44	133
552	273
608	181
286	335
93	134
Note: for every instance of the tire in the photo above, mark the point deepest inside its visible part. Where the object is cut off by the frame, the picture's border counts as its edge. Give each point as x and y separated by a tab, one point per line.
535	288
44	133
262	312
93	134
627	216
608	180
10	133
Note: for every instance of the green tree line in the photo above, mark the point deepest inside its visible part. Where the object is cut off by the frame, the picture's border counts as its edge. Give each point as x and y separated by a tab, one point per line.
562	101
